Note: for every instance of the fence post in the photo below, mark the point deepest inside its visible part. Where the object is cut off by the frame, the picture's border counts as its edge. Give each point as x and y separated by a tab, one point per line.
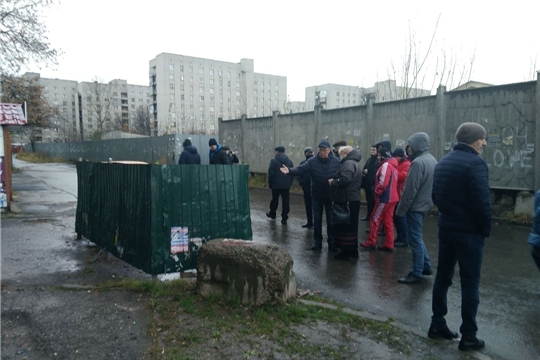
537	134
440	122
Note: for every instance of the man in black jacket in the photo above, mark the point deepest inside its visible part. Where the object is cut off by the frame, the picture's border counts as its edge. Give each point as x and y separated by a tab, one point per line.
305	182
217	155
368	180
280	184
322	167
189	155
461	193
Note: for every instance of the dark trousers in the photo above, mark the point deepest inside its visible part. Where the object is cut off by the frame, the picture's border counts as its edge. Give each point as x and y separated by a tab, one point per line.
467	251
318	206
346	235
276	193
535	252
370	199
308	203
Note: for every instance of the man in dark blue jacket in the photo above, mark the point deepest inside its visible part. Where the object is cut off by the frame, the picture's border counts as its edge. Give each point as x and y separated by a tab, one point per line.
322	167
189	155
305	182
217	155
461	193
280	184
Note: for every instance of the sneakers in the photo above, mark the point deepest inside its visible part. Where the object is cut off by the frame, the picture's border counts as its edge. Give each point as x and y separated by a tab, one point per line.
344	255
268	215
410	279
427	271
473	343
400	243
307	226
384	248
441	332
284	222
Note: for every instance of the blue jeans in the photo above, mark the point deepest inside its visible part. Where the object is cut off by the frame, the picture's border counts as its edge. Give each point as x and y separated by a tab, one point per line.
420	256
318	207
467	250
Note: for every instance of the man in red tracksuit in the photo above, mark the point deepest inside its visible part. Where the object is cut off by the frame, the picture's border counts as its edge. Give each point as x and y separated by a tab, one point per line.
386	199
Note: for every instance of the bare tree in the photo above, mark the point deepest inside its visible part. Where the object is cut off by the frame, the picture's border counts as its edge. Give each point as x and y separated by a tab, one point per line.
533	68
427	68
141	124
39	114
23	35
98	108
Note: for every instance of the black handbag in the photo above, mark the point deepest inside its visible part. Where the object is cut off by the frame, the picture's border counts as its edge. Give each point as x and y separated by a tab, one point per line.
341	214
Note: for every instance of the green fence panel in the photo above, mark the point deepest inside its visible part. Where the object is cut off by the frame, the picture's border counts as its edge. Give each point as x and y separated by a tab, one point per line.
156	217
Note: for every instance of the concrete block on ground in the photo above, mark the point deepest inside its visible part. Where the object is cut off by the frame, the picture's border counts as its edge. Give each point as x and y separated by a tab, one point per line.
250	272
524	203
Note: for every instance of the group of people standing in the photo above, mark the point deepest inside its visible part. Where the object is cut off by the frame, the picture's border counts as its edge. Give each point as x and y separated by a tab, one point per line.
400	188
218	154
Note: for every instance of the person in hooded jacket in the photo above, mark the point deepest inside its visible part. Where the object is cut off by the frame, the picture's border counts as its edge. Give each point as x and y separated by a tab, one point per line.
189	155
415	202
321	167
386	199
280	184
400	223
346	188
368	182
217	155
304	180
233	158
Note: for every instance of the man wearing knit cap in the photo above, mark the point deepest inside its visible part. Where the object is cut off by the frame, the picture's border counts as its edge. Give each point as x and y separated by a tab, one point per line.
338	146
280	184
217	155
461	193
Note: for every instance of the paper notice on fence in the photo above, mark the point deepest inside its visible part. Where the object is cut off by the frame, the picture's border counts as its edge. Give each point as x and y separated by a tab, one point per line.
179	239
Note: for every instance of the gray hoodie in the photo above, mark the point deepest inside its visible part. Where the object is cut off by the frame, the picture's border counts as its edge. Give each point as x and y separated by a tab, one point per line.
416	195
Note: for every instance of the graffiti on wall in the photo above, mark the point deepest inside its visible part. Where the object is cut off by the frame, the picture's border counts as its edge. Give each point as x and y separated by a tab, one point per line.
512	147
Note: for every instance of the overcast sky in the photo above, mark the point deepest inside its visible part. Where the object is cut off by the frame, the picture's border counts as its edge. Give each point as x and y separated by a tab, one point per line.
310	42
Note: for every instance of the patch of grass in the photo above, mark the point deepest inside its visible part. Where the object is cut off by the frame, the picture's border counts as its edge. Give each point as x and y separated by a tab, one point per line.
39	158
257	180
186	325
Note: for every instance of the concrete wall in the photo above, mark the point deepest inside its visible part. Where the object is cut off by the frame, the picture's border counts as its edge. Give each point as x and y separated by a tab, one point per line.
510	114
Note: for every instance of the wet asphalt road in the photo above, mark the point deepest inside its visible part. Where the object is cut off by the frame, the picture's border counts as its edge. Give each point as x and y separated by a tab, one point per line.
509	312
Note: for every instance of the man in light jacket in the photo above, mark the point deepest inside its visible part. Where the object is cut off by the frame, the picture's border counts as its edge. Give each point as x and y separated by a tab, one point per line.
415	203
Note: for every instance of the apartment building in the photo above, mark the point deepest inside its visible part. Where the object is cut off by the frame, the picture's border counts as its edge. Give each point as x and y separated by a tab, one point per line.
332	96
190	94
62	96
112	106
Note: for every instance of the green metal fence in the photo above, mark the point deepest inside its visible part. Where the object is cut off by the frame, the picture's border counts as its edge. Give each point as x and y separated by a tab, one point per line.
155	217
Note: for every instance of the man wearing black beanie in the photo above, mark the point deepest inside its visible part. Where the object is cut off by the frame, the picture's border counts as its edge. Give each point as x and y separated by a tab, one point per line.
461	193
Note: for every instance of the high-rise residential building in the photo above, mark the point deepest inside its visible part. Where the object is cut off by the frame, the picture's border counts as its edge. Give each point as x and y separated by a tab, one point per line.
190	94
332	96
112	106
62	96
87	110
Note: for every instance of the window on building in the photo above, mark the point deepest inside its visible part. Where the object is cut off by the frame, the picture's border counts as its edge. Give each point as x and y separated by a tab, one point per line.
237	101
171	76
181	77
191	79
211	81
201	80
190	88
211	71
220	73
191	97
171	66
201	98
211	90
201	89
201	71
182	97
191	69
228	75
238	93
337	93
181	67
221	82
172	96
191	106
229	92
212	99
237	84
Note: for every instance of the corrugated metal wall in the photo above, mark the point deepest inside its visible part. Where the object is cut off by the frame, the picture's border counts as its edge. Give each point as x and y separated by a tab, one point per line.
130	210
